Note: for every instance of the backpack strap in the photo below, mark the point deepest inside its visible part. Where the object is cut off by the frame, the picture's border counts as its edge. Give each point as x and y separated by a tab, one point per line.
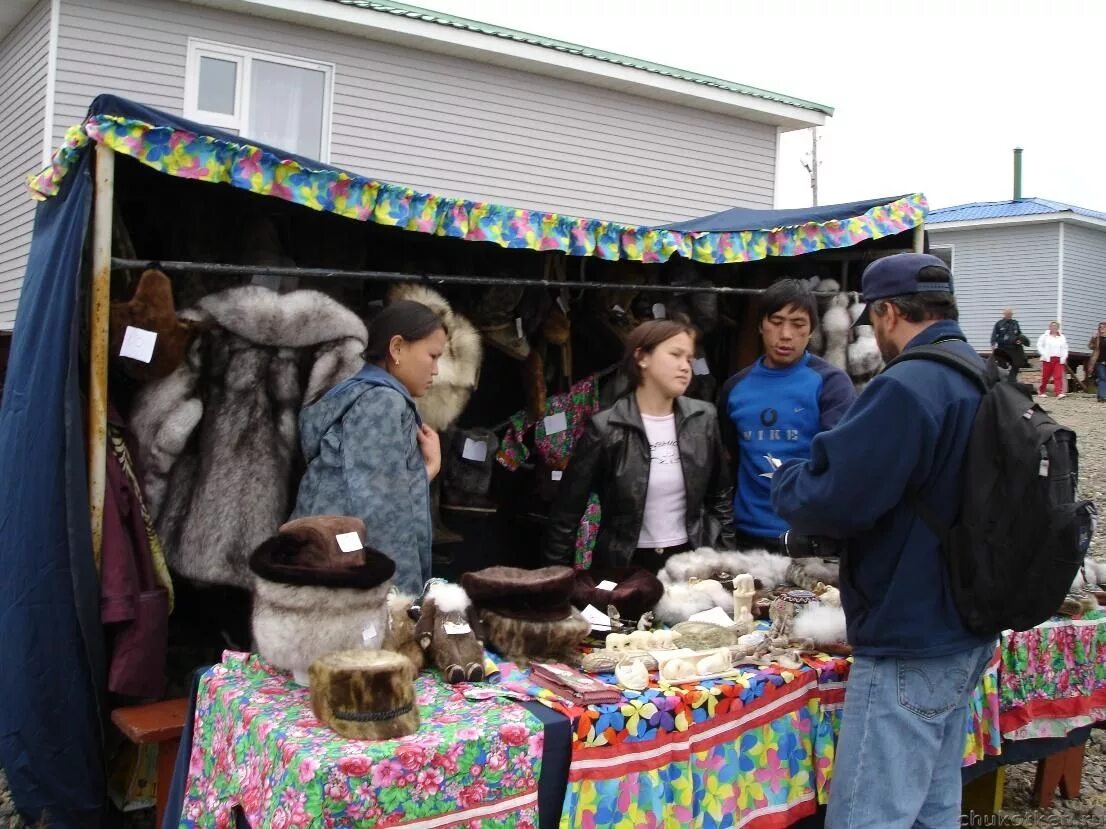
984	378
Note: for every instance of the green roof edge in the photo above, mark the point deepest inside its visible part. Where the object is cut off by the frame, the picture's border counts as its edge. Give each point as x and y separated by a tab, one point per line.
431	16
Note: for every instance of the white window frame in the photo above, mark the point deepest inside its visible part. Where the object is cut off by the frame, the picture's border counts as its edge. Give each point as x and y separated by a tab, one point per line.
243	57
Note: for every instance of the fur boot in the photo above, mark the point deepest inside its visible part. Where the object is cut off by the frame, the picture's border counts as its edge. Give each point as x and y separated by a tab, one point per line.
448	632
401	636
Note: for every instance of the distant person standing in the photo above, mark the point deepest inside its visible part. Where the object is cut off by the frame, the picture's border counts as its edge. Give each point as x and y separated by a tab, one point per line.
1097	363
1052	347
1007	340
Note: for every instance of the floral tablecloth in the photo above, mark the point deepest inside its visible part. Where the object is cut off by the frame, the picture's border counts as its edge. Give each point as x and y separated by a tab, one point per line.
1053	678
258	746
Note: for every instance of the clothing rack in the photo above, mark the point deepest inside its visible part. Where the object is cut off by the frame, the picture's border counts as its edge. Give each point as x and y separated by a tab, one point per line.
219	269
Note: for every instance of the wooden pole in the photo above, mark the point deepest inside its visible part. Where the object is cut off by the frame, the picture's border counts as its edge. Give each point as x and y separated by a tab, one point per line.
920	238
103	196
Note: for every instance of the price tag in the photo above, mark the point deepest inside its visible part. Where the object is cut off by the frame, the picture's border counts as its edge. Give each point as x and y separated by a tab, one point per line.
349	542
138	344
715	616
699	366
456	628
475	450
659	311
618	310
518	327
1042	470
556	423
368	636
596	618
606	585
557	474
563	304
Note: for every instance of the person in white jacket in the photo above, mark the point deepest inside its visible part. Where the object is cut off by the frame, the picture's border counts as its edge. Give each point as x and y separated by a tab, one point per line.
1052	347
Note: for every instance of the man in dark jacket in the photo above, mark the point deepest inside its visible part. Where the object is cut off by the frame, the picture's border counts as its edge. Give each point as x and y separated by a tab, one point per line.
770	411
915	663
1007	340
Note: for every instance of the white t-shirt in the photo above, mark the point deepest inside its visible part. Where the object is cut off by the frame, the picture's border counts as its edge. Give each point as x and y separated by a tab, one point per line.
664	523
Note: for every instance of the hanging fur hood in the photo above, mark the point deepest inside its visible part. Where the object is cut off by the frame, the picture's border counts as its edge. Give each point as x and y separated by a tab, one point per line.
217	436
459	365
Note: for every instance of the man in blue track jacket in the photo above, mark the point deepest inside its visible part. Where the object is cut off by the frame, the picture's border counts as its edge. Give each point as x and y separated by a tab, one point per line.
770	411
915	664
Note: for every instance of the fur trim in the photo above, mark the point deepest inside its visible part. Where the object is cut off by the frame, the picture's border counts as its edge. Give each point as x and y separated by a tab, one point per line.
401	629
306	552
294	626
295	320
705	562
827	572
680	602
449	598
459	365
822	625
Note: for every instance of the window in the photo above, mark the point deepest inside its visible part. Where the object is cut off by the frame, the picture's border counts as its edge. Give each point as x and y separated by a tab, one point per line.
269	98
944	253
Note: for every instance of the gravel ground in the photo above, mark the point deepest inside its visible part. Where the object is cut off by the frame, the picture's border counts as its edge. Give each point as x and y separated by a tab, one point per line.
1088	418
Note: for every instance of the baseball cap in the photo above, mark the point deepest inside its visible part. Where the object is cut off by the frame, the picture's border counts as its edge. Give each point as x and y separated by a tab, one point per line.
899	275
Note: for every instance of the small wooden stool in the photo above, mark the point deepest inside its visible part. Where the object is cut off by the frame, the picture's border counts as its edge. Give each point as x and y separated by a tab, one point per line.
1063	770
161	723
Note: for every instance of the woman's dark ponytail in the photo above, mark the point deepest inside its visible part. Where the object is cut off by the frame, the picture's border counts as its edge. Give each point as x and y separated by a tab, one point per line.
410	320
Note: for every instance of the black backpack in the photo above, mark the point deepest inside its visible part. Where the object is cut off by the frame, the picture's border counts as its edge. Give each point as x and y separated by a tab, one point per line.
1021	534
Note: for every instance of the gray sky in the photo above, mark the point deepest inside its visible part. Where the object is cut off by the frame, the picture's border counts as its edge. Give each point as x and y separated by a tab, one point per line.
932	96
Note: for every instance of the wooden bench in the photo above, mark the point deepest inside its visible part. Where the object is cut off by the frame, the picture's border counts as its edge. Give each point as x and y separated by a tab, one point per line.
161	723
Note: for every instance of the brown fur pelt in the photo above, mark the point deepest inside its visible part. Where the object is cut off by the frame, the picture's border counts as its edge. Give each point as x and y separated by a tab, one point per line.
459	365
448	631
520	640
151	308
365	694
401	636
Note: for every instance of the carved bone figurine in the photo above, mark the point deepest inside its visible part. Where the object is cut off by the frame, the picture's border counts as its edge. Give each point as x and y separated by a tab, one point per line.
744	589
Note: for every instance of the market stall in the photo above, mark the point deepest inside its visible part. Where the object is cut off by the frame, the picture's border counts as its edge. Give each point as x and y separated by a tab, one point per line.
136	185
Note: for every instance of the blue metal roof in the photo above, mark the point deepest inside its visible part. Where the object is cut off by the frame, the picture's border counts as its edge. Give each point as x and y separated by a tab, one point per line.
977	211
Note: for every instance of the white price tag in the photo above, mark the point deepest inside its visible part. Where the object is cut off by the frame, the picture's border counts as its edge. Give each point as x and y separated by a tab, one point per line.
618	309
138	344
596	618
659	311
368	636
475	450
699	366
606	585
556	423
557	474
349	542
715	616
518	327
456	628
562	303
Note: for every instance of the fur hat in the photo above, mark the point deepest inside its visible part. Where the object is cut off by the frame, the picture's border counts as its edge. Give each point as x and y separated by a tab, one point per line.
534	595
365	694
497	316
151	308
306	552
636	591
521	639
459	365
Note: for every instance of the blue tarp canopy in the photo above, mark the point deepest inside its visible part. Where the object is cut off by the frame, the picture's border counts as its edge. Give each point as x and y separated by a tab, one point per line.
745	218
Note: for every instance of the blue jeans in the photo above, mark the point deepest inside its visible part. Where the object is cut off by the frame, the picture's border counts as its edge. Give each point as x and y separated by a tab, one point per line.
903	728
1100	380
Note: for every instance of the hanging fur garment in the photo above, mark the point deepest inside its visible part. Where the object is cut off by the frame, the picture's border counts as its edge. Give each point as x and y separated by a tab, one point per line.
218	435
459	365
835	324
864	359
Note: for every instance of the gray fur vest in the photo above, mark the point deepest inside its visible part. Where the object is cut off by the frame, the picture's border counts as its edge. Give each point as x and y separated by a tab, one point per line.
217	437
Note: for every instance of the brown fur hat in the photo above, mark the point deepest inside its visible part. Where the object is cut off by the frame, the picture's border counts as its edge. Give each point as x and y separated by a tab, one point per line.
535	595
306	552
523	639
637	591
365	694
151	308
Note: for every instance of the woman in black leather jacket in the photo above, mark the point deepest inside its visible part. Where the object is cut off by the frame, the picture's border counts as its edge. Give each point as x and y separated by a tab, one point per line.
655	460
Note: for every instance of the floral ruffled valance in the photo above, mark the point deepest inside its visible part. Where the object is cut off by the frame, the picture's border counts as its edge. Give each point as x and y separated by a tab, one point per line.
178	152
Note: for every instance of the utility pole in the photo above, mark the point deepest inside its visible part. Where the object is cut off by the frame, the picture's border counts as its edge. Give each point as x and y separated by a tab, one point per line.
810	164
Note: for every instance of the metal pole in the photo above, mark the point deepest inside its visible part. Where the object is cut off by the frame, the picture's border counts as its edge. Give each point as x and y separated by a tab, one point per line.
436	279
920	238
98	348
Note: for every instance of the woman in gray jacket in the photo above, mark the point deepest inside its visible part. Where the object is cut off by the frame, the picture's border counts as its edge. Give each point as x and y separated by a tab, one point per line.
368	452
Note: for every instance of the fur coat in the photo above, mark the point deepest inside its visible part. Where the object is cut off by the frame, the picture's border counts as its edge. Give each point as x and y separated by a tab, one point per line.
217	437
459	365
